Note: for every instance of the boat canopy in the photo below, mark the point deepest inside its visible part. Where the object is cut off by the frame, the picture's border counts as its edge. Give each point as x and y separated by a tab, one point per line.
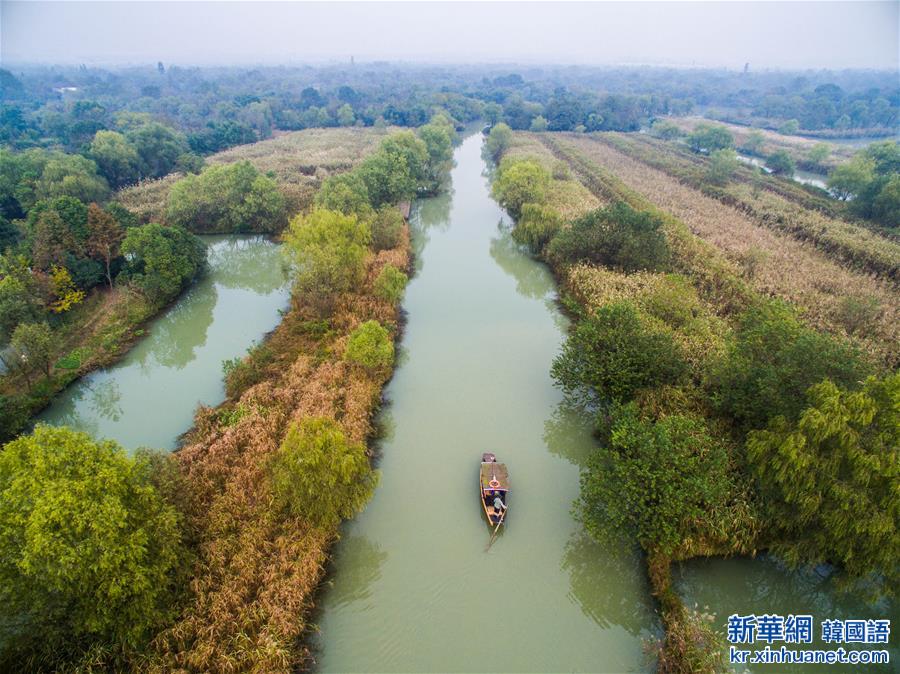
496	472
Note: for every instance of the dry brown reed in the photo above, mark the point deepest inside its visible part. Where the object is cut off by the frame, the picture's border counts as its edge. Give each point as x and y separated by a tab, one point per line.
257	568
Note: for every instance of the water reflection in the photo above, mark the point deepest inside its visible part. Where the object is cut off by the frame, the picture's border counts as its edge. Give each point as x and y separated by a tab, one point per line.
568	432
766	585
532	280
177	339
428	214
106	399
360	561
246	264
597	574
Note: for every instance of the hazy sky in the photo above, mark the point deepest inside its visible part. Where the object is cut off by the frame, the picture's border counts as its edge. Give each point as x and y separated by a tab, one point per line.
767	34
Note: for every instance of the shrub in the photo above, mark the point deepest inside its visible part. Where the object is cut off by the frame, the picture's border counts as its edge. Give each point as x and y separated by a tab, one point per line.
709	138
614	352
387	228
320	475
536	226
229	198
519	182
242	373
770	363
327	250
665	129
498	141
781	163
371	346
829	480
616	236
722	165
662	483
390	284
88	548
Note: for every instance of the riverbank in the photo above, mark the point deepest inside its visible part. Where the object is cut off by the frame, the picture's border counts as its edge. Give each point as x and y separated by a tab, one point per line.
626	293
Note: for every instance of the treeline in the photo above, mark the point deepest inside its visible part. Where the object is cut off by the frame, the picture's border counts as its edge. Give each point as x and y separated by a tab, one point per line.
215	108
131	562
725	425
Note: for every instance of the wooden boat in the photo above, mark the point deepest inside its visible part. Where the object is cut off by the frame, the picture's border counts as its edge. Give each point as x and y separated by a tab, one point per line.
493	481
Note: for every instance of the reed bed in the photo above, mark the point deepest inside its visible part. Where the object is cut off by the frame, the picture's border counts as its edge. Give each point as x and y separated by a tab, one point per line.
299	160
257	569
796	146
855	246
567	196
771	263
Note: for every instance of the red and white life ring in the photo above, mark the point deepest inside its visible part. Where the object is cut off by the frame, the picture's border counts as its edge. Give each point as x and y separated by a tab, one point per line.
494	484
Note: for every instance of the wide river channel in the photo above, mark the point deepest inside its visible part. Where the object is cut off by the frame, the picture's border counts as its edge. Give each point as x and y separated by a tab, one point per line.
412	588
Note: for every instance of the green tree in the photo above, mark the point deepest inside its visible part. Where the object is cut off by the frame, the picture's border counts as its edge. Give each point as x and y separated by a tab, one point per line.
709	138
388	178
71	175
663	128
345	116
227	198
818	153
158	146
616	236
88	549
19	301
162	261
852	178
320	475
722	165
519	182
346	193
790	127
390	284
614	352
438	138
371	346
498	141
781	163
53	242
829	479
665	483
538	124
35	345
327	250
116	158
536	226
886	205
493	112
770	363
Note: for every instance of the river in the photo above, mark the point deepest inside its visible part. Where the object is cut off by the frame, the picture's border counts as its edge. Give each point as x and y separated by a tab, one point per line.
412	589
148	398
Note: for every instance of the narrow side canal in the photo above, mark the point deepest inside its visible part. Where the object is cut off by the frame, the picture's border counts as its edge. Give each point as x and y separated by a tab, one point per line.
148	399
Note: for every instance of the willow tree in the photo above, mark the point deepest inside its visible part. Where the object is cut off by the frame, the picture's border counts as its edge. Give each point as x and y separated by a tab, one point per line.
829	480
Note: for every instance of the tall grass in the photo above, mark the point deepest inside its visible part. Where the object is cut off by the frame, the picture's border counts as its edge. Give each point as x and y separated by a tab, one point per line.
740	251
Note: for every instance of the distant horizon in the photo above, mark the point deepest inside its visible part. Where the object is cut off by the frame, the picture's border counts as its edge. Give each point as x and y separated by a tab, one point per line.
684	35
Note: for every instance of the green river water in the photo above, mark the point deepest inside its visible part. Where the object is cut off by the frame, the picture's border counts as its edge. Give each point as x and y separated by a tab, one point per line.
148	398
412	588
